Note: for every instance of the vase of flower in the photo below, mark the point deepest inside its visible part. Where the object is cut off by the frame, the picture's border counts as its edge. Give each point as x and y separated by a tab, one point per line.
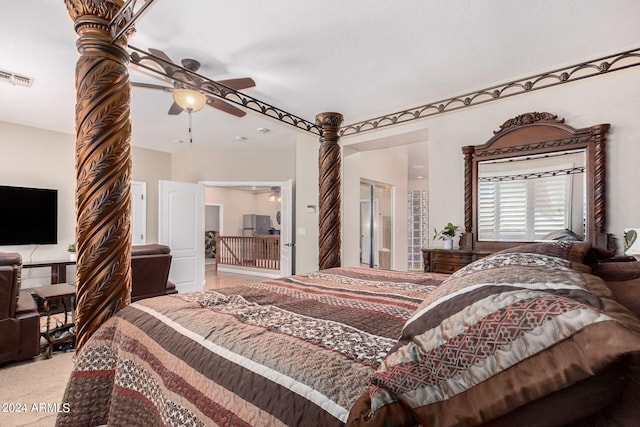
446	234
448	243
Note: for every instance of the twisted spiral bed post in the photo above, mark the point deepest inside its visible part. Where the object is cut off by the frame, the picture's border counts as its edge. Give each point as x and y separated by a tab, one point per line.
103	167
466	238
329	183
600	237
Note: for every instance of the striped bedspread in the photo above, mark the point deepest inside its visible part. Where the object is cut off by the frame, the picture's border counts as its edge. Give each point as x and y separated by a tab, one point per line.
291	351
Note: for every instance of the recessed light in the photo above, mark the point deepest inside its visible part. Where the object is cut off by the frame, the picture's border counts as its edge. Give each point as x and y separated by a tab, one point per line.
241	138
178	141
420	176
263	130
418	166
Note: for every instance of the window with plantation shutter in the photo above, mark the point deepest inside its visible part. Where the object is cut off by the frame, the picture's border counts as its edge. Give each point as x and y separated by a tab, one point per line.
522	206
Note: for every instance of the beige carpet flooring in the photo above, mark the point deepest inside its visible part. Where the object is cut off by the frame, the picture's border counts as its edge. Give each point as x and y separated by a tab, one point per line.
31	392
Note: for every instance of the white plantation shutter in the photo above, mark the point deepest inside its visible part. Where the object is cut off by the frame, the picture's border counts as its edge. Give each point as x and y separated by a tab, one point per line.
487	214
523	209
512	210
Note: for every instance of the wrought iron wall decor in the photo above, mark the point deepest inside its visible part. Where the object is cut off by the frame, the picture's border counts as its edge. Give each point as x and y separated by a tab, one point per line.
122	23
126	18
580	71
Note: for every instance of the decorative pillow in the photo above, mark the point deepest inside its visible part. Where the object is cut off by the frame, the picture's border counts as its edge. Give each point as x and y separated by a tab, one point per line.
562	235
627	293
504	331
617	271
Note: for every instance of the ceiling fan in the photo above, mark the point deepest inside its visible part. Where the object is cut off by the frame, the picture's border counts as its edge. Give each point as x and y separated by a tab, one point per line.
185	97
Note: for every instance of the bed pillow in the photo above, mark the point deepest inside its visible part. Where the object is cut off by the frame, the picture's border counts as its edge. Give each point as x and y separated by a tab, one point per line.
571	253
627	293
504	331
560	235
623	278
617	271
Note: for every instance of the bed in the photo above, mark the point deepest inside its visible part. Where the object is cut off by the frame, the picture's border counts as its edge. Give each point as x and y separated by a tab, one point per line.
534	334
526	336
292	351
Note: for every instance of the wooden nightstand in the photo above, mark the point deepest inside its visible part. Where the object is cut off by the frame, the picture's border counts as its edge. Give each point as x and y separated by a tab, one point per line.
449	260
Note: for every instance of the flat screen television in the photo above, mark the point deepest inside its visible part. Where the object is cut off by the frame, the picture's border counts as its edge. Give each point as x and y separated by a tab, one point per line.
28	216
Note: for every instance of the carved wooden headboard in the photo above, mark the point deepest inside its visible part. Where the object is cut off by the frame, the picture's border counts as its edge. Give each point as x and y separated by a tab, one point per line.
535	134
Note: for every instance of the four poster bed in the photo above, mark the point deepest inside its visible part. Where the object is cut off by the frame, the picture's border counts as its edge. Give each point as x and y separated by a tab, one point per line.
540	333
533	334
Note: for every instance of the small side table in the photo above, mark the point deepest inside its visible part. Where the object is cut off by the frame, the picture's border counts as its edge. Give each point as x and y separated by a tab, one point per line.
46	295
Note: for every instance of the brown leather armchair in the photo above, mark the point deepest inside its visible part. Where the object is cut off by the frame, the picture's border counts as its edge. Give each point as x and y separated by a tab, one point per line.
19	317
150	266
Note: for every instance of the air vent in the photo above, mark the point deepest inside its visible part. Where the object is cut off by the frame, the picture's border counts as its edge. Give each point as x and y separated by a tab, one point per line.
15	79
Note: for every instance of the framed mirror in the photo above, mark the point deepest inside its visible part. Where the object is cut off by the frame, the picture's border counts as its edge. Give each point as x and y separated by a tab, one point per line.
535	176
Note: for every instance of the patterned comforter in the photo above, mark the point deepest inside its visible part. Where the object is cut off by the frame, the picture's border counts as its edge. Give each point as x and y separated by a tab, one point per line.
526	336
292	351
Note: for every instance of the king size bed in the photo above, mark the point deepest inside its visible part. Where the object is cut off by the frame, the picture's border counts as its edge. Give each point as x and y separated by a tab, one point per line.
534	334
526	336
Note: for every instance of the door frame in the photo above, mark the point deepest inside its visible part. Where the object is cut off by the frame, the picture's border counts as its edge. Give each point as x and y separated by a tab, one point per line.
289	214
376	222
139	215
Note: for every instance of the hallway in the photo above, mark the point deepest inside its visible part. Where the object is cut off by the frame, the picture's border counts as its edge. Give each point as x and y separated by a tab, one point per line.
216	279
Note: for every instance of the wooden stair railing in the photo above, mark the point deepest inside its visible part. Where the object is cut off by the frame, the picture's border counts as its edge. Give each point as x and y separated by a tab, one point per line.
249	251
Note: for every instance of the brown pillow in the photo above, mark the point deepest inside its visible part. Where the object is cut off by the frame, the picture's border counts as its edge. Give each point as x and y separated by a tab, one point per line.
617	271
627	293
508	330
572	251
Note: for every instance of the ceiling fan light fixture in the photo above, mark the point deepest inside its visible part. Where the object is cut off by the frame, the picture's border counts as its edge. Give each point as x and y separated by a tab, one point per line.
189	100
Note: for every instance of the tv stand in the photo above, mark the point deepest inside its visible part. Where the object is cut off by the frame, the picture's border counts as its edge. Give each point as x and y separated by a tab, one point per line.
58	268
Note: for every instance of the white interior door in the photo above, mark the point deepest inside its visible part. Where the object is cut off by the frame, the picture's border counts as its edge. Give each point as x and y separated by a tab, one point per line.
181	227
286	230
138	213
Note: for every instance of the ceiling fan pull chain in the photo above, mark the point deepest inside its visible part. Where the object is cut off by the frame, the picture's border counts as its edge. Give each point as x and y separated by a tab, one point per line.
190	136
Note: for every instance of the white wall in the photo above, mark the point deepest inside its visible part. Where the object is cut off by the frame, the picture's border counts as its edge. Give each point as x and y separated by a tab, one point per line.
211	217
31	157
194	164
236	203
305	227
150	166
351	172
34	157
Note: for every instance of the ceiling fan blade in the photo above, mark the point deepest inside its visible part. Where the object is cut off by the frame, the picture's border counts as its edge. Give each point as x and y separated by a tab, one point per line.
160	54
226	107
152	86
238	84
169	69
175	109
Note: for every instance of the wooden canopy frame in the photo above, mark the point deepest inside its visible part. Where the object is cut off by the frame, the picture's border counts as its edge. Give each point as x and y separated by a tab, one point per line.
103	159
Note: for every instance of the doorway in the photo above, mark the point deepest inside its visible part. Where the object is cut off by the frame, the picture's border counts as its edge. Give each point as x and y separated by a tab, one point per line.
258	199
376	225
